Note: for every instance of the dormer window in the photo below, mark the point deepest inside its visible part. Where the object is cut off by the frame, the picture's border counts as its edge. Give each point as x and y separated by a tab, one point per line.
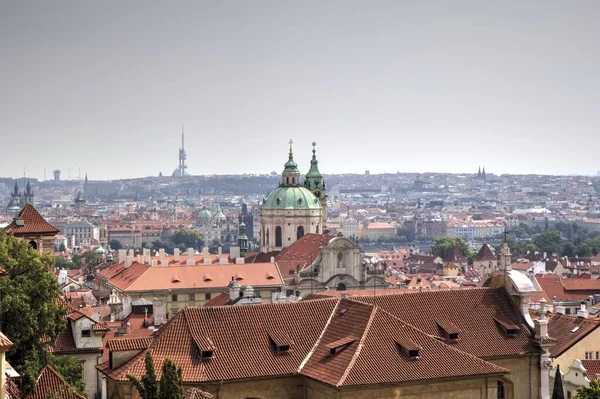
408	348
206	354
449	331
280	341
86	333
511	330
336	347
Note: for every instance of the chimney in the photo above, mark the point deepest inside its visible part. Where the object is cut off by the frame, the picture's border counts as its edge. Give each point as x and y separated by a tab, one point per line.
583	312
560	309
234	289
541	323
234	252
161	257
131	253
272	259
122	255
176	255
205	256
220	251
138	258
190	261
128	261
153	262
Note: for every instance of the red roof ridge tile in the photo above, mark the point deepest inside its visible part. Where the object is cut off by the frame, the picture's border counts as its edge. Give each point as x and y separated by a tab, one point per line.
360	346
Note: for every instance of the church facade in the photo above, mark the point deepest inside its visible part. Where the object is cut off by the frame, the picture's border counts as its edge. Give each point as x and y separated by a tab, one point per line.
294	208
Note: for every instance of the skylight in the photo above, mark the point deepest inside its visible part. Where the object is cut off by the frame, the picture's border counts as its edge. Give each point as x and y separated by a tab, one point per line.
575	329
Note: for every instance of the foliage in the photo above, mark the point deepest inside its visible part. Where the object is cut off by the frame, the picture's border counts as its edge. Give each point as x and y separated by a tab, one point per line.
62	263
61	247
551	242
115	244
590	392
443	245
69	368
186	238
77	261
147	386
28	323
171	383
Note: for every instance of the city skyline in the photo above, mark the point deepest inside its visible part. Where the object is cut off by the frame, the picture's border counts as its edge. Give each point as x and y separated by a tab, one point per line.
384	86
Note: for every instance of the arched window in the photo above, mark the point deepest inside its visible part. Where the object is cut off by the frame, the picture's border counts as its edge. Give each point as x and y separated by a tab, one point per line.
317	229
278	239
299	232
287	181
340	259
33	244
293	180
341	287
267	238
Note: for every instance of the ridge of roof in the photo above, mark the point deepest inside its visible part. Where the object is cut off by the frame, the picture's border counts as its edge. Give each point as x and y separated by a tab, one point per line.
359	347
34	223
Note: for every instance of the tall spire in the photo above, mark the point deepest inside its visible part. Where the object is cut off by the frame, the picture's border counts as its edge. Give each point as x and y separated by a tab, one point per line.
182	138
314	178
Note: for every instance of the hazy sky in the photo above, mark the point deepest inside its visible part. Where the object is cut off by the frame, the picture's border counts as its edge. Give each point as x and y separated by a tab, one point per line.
394	85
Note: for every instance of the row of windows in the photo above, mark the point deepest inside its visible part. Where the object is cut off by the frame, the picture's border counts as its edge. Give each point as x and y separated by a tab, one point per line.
590	355
190	297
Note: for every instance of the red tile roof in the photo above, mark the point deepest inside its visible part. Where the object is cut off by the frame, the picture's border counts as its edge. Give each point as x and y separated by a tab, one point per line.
485	253
472	311
301	253
244	341
559	289
5	343
219	300
454	255
129	344
51	384
567	331
373	354
33	223
592	367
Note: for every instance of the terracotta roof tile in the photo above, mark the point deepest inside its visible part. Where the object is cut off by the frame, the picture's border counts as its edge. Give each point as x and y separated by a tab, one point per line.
567	331
593	369
471	310
376	356
129	344
240	337
5	343
301	253
33	223
49	383
485	253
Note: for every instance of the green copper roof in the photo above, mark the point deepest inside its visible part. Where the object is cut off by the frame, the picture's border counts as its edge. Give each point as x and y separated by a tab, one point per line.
291	198
204	214
314	178
220	215
291	166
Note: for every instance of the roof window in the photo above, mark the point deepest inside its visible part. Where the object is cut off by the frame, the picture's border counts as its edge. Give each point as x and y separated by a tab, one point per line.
280	341
449	330
575	329
408	348
339	345
509	329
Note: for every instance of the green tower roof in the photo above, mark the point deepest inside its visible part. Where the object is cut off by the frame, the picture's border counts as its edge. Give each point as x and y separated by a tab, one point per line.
291	166
291	198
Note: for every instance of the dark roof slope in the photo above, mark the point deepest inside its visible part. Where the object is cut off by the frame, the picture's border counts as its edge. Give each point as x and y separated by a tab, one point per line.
50	383
485	253
33	223
473	312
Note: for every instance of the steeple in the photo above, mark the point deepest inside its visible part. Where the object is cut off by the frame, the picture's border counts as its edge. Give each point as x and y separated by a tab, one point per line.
483	174
291	175
479	171
242	238
16	192
314	178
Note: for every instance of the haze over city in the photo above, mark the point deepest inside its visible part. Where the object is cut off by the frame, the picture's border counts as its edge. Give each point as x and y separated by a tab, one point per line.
381	85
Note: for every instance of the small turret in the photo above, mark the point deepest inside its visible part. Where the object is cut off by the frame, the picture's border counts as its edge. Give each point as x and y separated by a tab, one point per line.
242	238
291	175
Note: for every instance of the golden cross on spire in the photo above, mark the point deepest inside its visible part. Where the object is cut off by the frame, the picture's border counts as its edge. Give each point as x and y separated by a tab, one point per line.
291	142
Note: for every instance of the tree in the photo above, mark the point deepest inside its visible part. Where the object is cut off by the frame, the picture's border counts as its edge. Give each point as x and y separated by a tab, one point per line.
69	368
443	245
171	383
62	247
62	263
590	392
115	244
147	386
186	238
28	323
550	242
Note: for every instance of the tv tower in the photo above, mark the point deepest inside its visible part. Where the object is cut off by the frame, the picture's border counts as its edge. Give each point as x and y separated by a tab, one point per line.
182	155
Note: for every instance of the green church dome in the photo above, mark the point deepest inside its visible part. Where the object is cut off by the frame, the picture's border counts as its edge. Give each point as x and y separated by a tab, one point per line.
100	251
204	214
291	198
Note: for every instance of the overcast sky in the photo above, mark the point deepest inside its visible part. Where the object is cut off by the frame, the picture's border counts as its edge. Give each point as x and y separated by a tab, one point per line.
415	86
